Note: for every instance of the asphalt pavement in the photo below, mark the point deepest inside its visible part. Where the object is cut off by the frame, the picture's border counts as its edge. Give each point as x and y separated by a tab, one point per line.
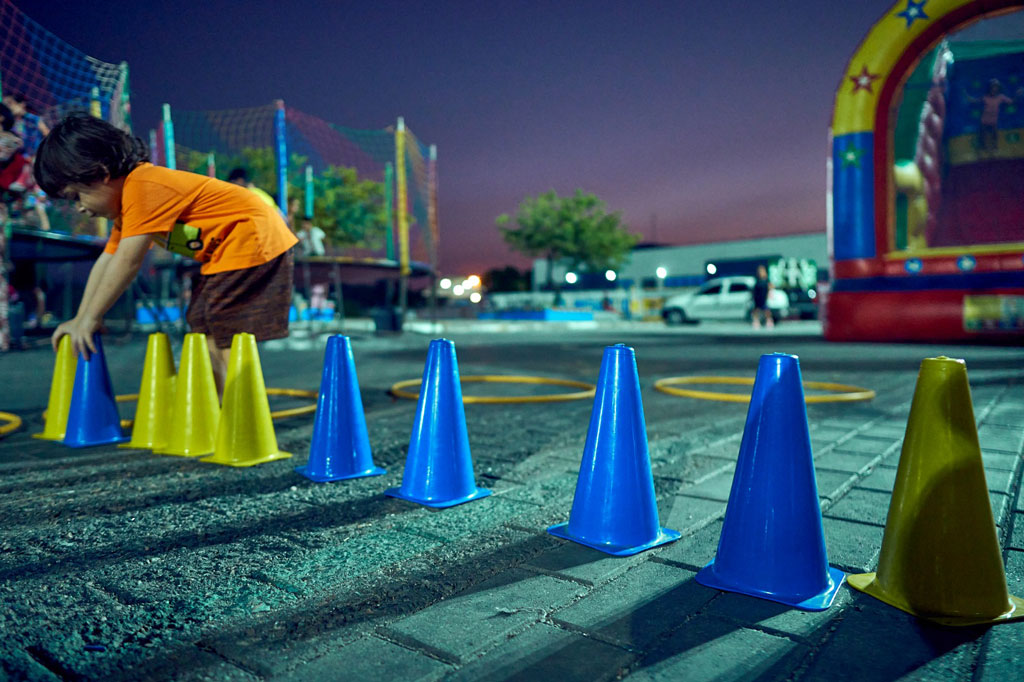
119	564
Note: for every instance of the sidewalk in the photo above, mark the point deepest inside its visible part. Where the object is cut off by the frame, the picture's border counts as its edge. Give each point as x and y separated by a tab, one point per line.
119	564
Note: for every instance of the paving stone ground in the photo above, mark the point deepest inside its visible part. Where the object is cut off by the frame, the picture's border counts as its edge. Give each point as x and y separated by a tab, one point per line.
122	565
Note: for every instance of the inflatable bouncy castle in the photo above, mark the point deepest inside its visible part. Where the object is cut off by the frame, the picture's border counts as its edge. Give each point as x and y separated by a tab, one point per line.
926	181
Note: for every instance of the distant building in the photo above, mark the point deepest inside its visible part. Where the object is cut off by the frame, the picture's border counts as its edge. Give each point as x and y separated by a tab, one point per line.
685	265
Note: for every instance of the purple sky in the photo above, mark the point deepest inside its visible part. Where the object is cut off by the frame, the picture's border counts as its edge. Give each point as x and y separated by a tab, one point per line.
697	121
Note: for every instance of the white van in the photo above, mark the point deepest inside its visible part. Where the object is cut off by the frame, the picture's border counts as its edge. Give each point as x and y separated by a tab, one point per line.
722	298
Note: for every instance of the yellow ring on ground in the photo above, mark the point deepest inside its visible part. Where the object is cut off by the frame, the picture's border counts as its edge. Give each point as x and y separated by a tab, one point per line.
279	414
589	389
848	394
13	423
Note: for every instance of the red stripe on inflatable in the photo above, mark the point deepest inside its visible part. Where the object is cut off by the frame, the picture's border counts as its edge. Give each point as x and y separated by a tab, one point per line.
904	316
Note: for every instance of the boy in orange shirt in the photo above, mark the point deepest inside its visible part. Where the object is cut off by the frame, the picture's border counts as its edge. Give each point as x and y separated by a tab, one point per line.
244	246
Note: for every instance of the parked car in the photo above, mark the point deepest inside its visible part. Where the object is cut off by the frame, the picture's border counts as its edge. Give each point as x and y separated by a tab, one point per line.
803	303
722	298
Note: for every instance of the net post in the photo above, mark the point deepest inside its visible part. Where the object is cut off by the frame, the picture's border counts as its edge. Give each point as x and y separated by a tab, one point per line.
281	149
309	191
433	227
403	216
169	159
125	103
95	107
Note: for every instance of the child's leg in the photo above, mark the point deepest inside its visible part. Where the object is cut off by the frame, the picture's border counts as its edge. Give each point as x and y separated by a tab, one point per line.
219	361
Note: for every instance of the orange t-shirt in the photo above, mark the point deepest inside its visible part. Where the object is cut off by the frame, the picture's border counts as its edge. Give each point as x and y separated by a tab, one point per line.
221	225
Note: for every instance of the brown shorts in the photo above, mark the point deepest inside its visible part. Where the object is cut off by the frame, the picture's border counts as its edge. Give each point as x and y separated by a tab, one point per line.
254	300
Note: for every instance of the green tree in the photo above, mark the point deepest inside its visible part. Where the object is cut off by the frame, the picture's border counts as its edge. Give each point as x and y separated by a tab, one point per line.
577	231
507	278
350	210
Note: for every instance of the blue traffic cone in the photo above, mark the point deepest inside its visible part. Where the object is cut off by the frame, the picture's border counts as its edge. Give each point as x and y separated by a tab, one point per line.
341	446
614	509
772	545
93	417
438	468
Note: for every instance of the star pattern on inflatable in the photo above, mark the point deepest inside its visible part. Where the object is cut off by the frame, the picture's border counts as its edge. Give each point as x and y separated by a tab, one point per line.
913	12
851	157
913	265
864	80
966	263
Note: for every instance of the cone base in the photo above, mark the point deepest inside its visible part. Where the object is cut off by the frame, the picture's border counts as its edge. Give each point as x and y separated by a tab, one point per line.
46	436
819	602
231	462
94	443
865	582
665	535
204	453
141	446
438	504
322	478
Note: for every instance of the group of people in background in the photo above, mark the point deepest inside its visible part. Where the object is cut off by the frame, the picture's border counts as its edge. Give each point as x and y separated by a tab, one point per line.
20	136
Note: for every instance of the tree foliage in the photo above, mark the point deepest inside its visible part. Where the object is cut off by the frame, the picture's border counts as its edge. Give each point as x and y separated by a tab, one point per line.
508	278
576	230
352	211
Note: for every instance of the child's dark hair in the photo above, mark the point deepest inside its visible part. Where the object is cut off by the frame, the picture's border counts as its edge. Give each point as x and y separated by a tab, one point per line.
238	174
83	149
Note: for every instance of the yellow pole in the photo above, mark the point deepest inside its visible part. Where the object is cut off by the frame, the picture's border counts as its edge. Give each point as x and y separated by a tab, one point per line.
100	225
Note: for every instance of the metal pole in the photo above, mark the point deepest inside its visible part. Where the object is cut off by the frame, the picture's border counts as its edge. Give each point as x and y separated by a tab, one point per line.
433	230
389	242
403	217
309	191
281	148
169	138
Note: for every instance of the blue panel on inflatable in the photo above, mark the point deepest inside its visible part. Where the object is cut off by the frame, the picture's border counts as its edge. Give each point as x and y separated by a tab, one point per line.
853	196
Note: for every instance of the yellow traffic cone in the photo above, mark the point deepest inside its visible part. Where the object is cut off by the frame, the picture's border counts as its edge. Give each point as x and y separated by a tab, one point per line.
940	557
245	436
152	423
61	387
196	411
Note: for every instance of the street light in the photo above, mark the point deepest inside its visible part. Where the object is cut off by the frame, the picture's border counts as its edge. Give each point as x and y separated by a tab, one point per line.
446	283
570	277
475	297
661	272
610	275
457	290
712	268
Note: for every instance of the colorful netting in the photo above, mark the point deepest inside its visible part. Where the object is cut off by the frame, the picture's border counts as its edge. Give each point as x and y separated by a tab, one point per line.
246	137
55	77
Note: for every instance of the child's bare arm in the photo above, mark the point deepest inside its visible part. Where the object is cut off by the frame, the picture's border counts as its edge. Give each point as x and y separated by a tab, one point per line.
109	278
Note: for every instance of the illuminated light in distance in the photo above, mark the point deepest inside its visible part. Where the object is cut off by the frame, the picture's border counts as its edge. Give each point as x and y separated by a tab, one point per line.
445	283
457	290
474	281
610	275
661	272
712	268
475	297
571	277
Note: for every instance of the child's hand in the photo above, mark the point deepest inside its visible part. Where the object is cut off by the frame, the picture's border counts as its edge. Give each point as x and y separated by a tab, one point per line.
81	332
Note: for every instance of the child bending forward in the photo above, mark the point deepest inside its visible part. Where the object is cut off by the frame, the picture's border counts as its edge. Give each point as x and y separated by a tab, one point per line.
244	246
